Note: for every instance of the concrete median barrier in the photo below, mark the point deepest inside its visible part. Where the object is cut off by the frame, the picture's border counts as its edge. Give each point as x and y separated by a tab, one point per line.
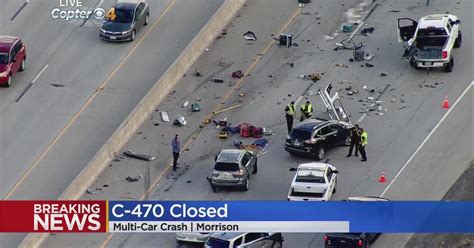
153	98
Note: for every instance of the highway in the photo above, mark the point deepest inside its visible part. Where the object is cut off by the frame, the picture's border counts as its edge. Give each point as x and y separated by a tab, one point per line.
48	134
412	98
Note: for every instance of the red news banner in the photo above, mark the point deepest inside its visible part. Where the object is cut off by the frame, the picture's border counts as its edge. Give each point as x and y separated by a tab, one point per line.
53	216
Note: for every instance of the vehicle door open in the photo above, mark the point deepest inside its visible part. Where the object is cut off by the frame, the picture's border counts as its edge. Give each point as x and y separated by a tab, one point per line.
406	29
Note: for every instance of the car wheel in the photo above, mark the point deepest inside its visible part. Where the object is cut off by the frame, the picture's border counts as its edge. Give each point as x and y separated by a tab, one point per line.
276	244
449	66
321	153
9	80
347	142
214	188
458	41
134	34
247	184
147	19
255	169
23	65
413	63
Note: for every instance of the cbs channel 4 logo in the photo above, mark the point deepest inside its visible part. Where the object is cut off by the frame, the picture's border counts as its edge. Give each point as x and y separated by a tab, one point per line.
74	9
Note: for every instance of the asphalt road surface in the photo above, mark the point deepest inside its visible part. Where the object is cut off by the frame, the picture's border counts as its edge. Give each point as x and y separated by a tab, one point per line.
412	98
47	133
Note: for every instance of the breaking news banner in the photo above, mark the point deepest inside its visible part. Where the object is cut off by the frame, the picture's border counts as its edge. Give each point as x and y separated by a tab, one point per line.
237	216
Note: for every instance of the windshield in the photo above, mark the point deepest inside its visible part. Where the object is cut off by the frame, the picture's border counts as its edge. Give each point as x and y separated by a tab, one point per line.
3	58
300	134
310	179
123	15
226	166
217	243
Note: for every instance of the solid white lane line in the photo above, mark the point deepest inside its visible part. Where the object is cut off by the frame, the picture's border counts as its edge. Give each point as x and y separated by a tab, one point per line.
426	139
362	117
39	74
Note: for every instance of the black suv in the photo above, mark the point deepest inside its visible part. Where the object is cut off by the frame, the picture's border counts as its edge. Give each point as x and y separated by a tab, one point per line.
123	20
313	137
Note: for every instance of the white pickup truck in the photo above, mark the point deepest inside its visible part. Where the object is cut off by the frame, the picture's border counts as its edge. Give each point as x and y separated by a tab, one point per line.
313	182
430	40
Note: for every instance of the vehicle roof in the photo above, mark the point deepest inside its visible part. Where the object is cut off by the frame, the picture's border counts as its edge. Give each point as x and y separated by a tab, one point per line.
6	42
437	20
230	155
226	236
128	5
366	198
313	166
310	124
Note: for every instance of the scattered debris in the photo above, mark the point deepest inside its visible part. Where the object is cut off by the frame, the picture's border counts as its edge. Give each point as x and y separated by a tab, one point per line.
249	35
347	27
291	64
105	185
180	121
306	13
195	107
164	116
368	56
242	94
394	11
402	107
237	74
185	104
348	87
131	179
295	44
218	80
145	157
383	74
285	39
267	131
92	191
198	99
57	85
197	73
340	65
369	65
366	31
189	181
156	124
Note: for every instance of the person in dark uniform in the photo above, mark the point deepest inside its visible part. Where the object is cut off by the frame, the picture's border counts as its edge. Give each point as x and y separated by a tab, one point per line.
355	141
290	115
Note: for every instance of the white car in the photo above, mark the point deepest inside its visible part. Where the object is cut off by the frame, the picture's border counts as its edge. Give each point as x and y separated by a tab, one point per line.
313	182
431	40
192	237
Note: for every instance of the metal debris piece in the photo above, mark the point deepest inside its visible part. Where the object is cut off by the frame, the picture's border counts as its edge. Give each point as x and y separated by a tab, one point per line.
131	179
249	35
91	191
185	104
369	65
180	121
237	74
164	116
57	85
368	56
383	74
145	157
402	107
218	80
348	87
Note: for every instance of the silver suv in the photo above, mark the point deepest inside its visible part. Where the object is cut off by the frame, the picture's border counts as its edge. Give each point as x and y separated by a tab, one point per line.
232	169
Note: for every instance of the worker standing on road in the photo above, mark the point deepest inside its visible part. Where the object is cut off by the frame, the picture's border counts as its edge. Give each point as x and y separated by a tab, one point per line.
290	115
176	147
363	144
306	111
355	141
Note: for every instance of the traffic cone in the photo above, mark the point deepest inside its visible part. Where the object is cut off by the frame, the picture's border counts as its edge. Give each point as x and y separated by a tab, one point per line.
446	102
382	178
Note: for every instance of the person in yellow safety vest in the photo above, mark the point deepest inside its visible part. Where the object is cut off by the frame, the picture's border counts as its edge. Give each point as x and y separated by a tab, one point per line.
363	144
306	111
290	115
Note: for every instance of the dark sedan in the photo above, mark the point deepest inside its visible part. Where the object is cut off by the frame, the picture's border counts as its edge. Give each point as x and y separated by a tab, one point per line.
313	137
123	20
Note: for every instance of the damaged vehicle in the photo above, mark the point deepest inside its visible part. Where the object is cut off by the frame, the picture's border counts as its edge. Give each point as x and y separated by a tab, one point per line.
431	40
313	182
233	168
313	137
